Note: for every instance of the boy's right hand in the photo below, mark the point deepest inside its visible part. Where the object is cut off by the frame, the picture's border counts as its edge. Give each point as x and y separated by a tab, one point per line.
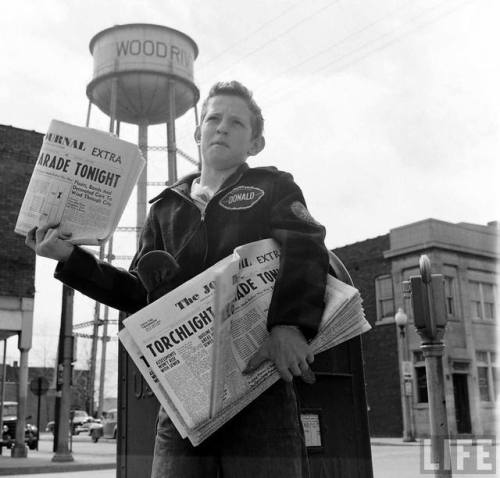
49	241
287	348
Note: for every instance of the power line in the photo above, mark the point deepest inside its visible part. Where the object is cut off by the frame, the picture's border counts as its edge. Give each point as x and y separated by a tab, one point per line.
283	33
252	33
273	100
335	44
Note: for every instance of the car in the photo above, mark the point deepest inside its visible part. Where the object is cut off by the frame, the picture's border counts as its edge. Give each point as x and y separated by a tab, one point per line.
8	437
107	428
80	422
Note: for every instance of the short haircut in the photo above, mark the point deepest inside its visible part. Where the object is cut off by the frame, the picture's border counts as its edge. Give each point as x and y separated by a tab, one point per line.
235	88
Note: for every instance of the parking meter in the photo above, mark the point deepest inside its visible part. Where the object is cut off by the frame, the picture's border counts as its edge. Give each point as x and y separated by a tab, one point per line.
429	303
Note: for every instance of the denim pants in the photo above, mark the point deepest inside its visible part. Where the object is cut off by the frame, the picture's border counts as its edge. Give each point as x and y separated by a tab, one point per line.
264	440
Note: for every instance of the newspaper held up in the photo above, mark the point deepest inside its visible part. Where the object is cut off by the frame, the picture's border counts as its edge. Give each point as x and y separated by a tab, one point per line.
82	181
218	320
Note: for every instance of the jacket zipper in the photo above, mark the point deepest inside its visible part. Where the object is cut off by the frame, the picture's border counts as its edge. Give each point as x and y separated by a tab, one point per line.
202	222
203	215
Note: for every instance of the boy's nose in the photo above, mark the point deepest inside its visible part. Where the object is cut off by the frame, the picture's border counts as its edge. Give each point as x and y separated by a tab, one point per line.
222	127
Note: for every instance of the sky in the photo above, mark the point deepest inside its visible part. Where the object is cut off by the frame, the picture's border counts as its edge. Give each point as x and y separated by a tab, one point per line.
386	112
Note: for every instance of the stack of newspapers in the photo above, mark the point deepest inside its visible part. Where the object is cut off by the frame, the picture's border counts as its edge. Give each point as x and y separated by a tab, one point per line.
81	182
192	344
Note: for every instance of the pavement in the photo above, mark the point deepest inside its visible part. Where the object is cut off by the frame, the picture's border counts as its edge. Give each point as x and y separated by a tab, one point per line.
102	456
86	456
392	458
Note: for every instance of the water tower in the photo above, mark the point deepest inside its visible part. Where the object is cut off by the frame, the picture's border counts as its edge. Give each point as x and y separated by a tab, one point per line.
143	74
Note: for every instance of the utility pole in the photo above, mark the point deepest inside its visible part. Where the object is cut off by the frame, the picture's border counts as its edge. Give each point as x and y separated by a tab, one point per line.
2	382
105	340
64	377
93	350
429	309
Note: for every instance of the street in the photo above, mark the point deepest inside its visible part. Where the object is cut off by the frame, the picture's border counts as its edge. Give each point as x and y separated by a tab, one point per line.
76	474
391	459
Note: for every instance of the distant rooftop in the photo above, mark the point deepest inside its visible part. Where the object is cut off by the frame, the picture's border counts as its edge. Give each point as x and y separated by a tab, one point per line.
461	237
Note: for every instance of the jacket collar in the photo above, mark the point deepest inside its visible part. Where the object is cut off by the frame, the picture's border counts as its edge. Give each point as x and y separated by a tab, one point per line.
183	185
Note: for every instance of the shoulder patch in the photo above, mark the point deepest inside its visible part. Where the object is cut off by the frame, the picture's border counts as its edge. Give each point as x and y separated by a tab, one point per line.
300	211
241	197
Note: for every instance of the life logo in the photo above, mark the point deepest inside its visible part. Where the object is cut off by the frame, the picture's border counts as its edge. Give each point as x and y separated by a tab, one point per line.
241	197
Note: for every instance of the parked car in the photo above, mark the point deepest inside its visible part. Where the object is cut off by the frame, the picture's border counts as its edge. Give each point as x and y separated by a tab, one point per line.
107	428
8	437
80	422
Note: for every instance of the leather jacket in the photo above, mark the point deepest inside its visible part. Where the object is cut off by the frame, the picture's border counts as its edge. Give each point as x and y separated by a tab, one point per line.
252	204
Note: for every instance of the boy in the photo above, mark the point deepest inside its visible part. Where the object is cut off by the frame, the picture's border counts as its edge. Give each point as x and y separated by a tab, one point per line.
200	220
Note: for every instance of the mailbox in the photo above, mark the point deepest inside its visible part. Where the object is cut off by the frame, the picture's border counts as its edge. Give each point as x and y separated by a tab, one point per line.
333	413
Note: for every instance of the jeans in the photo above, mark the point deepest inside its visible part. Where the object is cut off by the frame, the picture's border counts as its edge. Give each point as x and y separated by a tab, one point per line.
264	440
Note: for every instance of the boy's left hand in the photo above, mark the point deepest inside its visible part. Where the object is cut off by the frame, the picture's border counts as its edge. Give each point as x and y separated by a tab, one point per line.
287	348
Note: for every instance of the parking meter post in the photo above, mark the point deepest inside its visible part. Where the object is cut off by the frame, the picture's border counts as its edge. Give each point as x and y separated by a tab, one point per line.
433	354
428	302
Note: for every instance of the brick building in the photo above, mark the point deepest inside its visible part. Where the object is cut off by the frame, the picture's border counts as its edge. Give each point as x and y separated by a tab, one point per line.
18	151
466	255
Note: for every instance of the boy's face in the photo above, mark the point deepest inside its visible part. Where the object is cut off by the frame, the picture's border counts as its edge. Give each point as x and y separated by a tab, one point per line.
226	133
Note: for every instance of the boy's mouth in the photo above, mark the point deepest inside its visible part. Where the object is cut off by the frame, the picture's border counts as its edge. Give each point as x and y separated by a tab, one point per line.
219	143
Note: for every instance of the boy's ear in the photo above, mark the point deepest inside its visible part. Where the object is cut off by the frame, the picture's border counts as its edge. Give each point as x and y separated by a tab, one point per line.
197	135
257	146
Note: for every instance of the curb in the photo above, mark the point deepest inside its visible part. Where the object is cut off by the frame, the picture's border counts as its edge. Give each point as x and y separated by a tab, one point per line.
379	443
54	468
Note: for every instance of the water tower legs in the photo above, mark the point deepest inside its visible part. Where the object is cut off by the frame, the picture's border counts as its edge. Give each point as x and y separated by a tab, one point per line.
171	146
142	194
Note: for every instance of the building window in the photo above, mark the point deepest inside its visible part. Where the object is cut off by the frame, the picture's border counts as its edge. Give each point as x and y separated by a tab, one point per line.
385	297
420	377
487	375
482	300
449	290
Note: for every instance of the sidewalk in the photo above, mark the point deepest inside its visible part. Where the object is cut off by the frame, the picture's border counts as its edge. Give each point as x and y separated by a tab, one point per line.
86	456
384	441
97	456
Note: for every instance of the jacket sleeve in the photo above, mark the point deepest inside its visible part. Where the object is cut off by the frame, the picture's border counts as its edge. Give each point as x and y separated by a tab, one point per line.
104	282
298	297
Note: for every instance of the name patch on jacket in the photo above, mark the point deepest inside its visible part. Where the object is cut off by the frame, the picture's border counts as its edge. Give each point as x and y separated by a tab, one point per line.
241	197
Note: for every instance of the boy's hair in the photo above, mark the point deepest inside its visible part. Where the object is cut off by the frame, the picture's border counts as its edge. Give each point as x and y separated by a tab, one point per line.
235	88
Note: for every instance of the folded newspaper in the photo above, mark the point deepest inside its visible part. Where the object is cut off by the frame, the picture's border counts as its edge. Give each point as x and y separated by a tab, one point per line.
82	180
192	344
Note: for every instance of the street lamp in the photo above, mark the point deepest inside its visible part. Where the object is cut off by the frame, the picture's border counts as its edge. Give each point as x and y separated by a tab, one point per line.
401	320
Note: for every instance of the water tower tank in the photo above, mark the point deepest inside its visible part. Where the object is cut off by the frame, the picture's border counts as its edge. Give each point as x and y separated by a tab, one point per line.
143	61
